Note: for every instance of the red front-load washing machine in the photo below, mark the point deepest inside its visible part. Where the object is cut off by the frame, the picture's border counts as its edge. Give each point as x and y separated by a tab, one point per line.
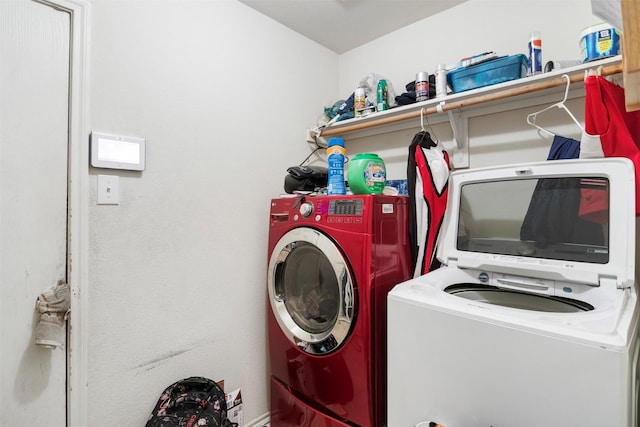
332	261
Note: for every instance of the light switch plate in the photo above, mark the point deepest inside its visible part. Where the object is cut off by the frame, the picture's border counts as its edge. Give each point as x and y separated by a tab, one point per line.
108	190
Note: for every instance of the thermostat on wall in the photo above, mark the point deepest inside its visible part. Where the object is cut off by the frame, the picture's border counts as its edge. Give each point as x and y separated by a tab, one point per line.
117	152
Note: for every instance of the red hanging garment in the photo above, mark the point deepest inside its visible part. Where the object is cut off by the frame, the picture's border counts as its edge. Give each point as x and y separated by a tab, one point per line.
619	130
428	171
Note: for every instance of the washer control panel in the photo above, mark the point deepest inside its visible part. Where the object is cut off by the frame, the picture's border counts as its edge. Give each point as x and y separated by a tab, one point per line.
351	207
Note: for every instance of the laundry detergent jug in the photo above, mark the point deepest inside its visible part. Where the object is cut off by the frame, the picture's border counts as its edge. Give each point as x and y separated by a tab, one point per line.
366	174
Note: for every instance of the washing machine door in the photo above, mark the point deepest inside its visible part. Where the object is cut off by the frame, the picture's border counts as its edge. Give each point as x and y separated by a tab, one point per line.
311	290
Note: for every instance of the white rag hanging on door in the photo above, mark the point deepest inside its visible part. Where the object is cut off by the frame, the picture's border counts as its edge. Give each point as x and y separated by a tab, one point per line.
53	306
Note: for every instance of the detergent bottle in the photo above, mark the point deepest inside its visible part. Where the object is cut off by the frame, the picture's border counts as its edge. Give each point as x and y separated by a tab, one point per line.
366	174
335	159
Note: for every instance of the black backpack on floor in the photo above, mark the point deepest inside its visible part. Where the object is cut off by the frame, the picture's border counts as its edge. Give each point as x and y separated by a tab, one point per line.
191	402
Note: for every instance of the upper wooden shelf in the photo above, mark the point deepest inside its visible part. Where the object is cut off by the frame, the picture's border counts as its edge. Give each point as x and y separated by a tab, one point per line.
525	91
457	108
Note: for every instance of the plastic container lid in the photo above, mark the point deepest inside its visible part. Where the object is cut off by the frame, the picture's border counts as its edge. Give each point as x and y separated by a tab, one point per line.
335	141
595	28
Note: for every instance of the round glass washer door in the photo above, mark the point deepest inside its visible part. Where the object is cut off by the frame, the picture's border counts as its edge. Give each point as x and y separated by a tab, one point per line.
311	291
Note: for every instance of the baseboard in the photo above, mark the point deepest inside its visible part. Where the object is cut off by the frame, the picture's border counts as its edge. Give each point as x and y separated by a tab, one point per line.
263	421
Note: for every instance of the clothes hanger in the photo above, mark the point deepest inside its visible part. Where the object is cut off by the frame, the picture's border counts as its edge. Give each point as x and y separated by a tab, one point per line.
424	137
531	118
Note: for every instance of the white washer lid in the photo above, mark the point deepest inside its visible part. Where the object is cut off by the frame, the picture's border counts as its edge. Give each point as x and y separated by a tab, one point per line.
488	226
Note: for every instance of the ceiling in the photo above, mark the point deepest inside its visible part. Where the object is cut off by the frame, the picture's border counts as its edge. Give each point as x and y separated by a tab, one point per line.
341	25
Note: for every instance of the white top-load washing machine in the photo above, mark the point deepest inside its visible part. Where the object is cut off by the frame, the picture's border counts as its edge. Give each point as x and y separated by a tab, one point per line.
532	319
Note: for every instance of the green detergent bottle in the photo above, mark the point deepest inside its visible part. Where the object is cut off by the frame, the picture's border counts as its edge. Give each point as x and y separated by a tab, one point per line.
366	174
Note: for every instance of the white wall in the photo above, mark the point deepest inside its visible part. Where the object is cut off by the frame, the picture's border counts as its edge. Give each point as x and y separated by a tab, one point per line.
223	95
177	286
472	27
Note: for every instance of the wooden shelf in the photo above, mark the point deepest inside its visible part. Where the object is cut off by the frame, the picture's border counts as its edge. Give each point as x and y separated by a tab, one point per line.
631	49
457	108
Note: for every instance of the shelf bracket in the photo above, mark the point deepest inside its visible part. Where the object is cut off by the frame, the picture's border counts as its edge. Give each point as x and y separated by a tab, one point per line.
460	126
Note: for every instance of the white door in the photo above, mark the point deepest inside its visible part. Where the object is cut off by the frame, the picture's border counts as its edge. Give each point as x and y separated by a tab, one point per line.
34	128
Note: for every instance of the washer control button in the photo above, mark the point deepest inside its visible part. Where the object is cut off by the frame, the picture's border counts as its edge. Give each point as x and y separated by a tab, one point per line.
306	209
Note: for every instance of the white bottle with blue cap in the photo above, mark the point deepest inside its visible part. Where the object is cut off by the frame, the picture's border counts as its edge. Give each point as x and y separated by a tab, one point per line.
335	159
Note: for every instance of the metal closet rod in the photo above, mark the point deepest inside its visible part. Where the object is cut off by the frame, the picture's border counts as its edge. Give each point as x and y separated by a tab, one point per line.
455	105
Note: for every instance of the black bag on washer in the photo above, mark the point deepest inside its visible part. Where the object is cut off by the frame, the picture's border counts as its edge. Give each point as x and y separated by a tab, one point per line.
191	402
305	178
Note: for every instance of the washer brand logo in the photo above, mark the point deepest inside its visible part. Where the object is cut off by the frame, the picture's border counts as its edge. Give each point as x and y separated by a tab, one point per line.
483	277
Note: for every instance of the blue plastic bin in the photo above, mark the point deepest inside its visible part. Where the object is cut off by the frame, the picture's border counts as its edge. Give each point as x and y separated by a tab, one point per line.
488	73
